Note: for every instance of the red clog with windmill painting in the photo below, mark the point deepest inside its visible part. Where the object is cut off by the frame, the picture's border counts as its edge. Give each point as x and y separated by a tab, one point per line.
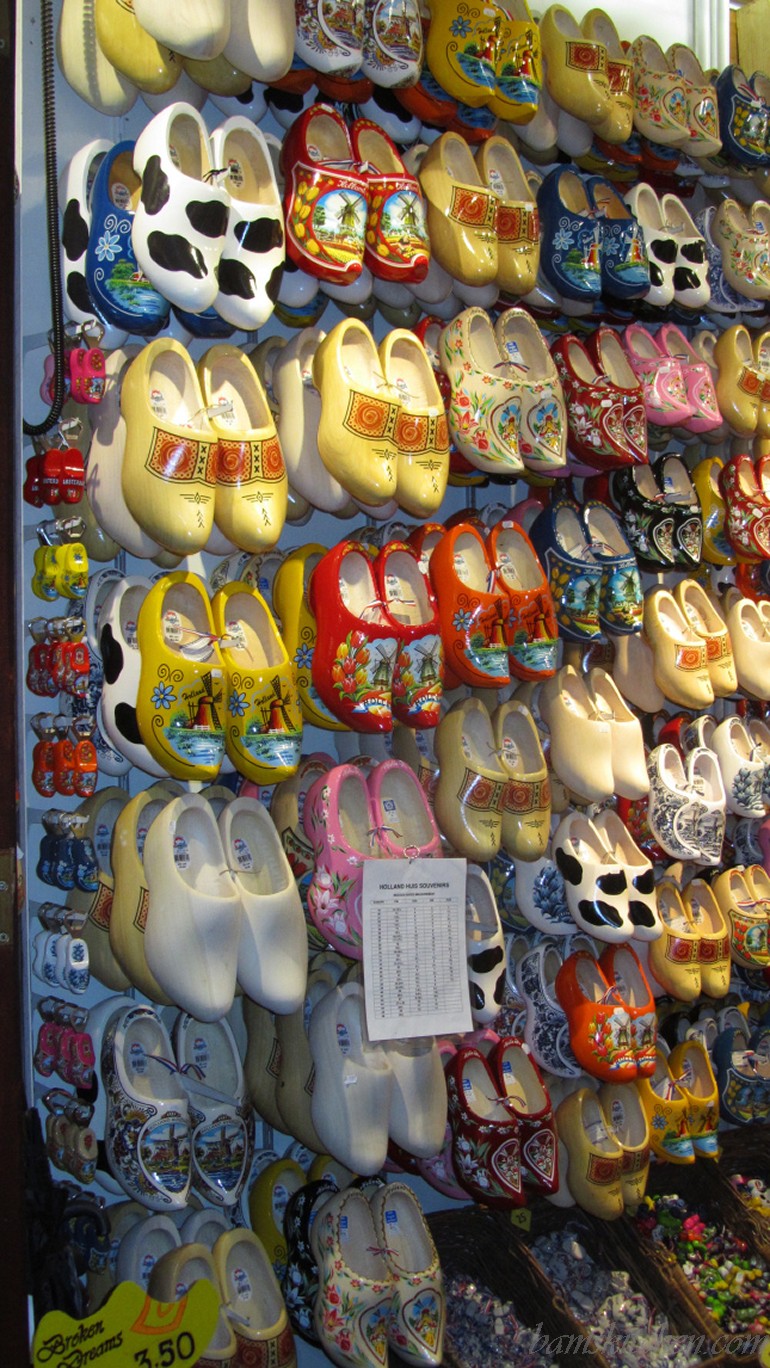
325	201
397	245
356	640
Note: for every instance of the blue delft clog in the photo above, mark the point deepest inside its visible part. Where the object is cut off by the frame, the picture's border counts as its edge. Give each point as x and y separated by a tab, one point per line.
625	268
122	294
744	119
620	597
574	573
570	235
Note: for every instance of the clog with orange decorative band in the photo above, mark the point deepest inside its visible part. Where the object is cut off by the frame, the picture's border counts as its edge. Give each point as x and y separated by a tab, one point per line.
462	212
518	222
526	809
747	508
396	239
472	781
251	494
360	413
422	432
532	631
575	67
738	383
326	199
171	452
746	911
473	609
357	640
714	947
674	959
408	598
594	1155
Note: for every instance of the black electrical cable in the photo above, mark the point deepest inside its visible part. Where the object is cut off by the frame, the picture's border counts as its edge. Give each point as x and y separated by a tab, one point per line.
52	226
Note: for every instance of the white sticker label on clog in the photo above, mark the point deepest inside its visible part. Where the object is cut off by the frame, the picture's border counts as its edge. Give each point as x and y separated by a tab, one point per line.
510	750
280	1202
242	853
141	836
235	638
102	842
617	1114
344	1232
120	196
235	173
137	1059
181	853
145	1269
462	569
496	182
201	1055
597	1132
158	403
391	1219
241	1284
225	410
172	626
343	1038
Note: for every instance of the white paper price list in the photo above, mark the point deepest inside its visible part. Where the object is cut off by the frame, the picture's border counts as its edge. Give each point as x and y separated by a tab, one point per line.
415	970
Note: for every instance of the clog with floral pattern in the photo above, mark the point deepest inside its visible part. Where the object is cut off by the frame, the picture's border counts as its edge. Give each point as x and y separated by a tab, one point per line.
486	1135
356	639
339	825
625	269
537	387
605	414
473	609
418	1310
355	1284
747	508
522	1084
661	106
326	203
531	631
485	407
330	41
702	111
665	394
698	379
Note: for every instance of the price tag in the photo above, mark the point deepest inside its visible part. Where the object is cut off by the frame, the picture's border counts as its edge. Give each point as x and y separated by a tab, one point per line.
522	1217
131	1328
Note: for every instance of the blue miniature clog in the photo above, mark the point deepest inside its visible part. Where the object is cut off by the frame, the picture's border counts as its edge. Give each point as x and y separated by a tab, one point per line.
121	293
570	235
625	268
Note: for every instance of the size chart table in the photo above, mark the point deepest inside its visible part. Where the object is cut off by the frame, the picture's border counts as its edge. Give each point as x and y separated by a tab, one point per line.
415	962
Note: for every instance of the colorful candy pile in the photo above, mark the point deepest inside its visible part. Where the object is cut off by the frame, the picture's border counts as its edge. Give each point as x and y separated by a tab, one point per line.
733	1283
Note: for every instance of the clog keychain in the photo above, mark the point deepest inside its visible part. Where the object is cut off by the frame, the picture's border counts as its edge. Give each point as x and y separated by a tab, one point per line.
43	754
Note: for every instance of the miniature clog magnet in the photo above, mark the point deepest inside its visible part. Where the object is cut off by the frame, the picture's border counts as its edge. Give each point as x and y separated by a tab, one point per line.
263	735
180	705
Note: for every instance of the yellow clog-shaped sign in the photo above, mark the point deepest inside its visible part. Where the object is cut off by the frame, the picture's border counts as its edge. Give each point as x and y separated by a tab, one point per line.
131	1328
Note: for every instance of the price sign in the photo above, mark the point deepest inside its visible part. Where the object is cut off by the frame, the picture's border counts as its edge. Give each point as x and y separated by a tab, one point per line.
131	1328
